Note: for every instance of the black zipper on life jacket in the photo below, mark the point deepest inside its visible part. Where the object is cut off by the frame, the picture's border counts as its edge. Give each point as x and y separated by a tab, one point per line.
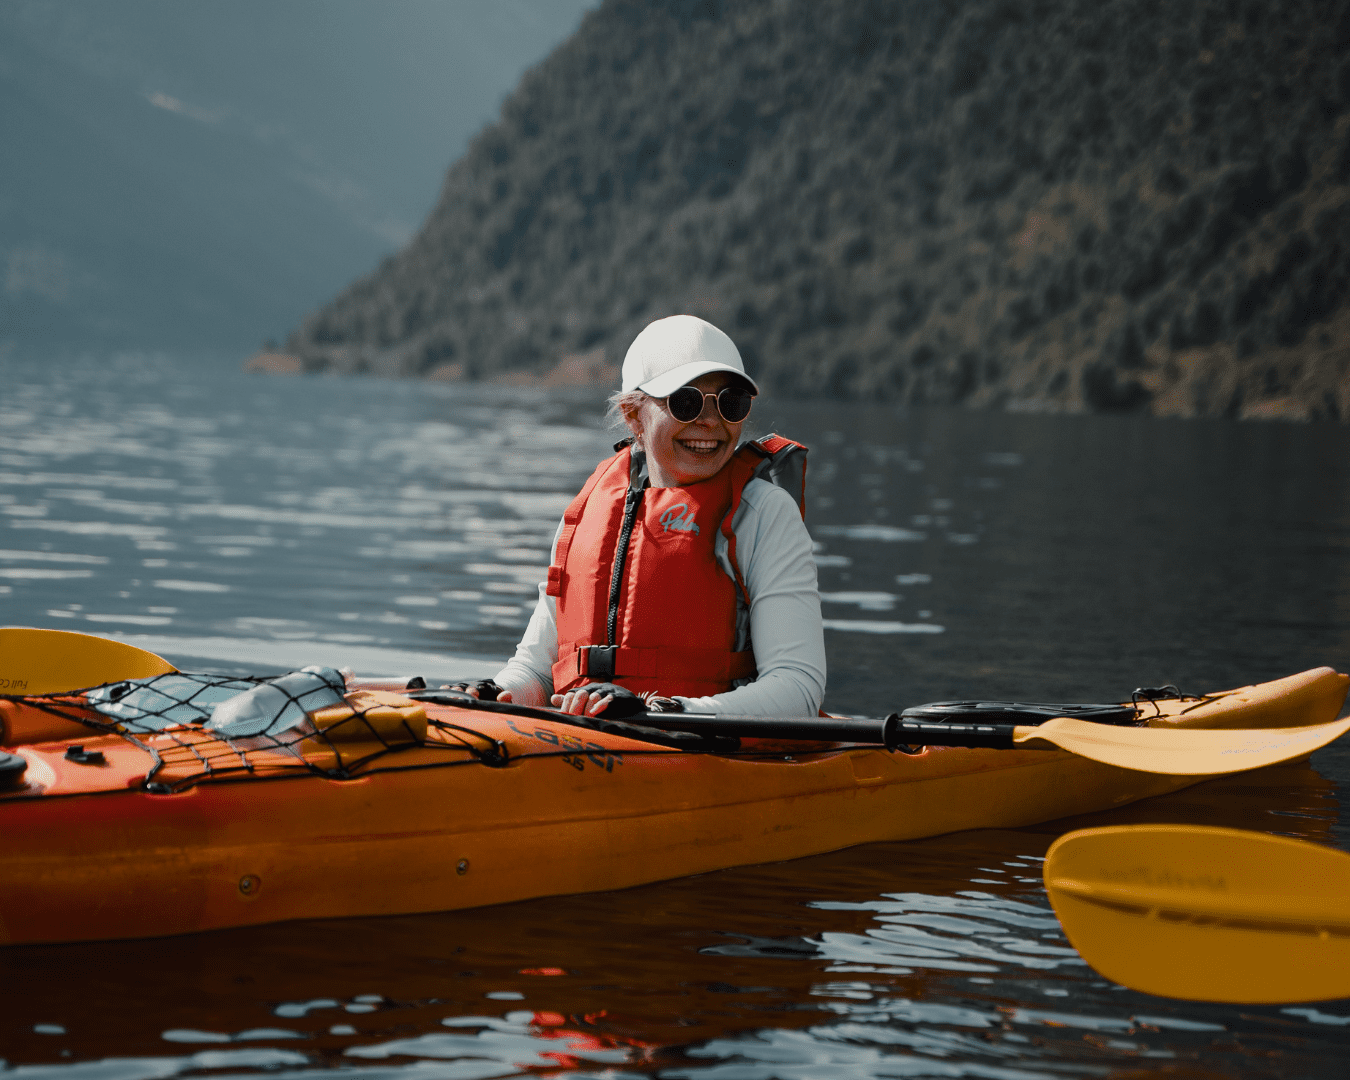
631	503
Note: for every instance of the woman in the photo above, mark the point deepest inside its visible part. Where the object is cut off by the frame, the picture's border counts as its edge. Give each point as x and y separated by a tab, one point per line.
678	573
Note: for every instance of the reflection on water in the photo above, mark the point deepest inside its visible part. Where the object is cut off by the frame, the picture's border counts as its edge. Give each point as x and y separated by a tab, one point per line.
245	525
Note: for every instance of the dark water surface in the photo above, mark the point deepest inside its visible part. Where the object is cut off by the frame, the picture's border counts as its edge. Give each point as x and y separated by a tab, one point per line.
246	525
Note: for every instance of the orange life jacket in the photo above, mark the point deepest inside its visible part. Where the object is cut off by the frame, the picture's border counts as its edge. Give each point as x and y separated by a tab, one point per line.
641	599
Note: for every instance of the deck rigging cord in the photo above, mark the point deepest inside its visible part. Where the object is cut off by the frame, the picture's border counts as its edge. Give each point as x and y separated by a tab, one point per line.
174	719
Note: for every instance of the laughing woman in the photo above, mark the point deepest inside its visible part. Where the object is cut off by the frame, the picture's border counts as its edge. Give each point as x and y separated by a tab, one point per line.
680	573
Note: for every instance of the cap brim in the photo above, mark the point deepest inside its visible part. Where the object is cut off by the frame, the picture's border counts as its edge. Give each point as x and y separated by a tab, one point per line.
668	382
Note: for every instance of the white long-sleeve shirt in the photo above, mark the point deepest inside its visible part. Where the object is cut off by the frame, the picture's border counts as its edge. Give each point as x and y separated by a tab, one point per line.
774	552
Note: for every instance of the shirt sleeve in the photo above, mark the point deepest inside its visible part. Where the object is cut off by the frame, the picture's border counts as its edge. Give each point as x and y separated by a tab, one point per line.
529	673
774	552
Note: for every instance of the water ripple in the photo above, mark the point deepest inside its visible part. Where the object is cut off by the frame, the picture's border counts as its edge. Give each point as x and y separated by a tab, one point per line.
403	529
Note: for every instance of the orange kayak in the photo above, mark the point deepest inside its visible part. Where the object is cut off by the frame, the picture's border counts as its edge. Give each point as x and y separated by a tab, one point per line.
430	807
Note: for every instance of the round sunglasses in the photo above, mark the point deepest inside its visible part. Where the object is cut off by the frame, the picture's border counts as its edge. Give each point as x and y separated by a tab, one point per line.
733	402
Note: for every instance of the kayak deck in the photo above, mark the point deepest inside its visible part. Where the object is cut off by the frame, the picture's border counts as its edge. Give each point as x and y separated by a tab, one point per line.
491	808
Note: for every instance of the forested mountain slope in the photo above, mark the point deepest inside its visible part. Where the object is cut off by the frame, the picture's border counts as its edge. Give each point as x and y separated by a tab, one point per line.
1102	204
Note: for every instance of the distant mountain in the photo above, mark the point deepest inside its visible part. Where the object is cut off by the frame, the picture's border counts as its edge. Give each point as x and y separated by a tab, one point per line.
197	176
1100	204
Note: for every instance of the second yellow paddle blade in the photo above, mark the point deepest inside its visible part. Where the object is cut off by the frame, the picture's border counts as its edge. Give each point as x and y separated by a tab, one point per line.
58	661
1206	914
1183	751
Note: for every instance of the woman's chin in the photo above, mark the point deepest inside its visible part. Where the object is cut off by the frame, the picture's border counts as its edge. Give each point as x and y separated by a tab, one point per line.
693	465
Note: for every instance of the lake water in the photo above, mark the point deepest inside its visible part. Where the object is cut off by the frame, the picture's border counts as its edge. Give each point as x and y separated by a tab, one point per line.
250	525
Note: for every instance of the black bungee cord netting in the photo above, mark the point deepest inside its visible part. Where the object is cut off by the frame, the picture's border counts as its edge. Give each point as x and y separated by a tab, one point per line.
196	727
199	726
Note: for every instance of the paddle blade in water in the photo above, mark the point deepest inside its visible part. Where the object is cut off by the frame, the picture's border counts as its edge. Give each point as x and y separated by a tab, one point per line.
1183	751
58	661
1206	914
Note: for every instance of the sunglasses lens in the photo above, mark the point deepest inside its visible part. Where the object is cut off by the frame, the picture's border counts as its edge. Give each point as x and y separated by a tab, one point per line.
734	404
685	404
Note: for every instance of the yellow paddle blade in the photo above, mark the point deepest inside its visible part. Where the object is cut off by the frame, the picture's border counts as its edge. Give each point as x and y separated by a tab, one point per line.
58	661
1182	751
1206	914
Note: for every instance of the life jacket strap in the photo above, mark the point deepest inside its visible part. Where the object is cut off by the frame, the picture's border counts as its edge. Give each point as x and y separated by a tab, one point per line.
780	461
783	465
605	663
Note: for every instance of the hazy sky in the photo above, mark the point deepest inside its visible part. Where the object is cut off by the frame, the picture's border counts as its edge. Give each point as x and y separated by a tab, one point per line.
148	140
380	94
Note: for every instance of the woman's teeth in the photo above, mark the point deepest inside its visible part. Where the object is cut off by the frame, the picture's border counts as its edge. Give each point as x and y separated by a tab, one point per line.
700	446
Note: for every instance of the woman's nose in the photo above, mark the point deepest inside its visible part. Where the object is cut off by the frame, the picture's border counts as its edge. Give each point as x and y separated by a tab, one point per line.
708	416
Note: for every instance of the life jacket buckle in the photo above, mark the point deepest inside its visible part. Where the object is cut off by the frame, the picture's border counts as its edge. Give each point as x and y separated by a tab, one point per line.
596	662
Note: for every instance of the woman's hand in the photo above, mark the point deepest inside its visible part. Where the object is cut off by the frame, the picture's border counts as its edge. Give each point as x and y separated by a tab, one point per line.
610	700
582	702
484	689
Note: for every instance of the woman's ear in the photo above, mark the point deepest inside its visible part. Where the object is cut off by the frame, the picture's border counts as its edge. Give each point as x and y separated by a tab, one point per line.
632	416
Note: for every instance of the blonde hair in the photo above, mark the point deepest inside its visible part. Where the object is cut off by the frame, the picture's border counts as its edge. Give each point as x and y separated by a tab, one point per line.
622	404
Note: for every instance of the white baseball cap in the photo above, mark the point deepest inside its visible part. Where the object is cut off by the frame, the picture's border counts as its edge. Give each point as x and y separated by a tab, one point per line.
674	351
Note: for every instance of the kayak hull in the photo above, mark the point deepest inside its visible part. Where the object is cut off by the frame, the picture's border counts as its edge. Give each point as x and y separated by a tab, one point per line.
86	853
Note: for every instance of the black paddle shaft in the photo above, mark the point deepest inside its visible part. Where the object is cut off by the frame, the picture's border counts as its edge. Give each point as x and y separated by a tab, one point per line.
889	731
